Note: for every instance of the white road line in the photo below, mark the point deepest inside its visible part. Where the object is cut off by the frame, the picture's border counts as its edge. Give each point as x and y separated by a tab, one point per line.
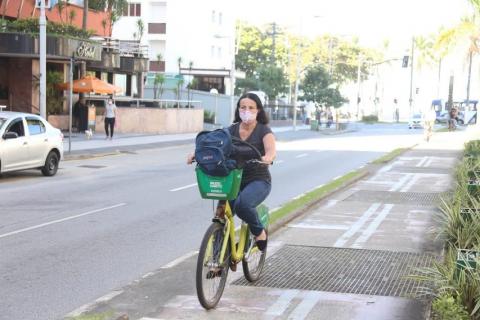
357	225
319	226
302	155
184	187
60	220
372	227
330	204
303	309
282	303
424	159
89	306
429	162
400	182
278	161
410	183
179	260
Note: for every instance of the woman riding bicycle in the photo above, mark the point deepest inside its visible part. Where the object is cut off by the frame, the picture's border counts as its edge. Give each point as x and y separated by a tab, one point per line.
251	125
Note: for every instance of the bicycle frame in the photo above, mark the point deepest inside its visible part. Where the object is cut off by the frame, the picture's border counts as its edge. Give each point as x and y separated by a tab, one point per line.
237	252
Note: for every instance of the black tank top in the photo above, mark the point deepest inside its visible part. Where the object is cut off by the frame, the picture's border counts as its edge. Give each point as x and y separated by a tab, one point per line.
252	171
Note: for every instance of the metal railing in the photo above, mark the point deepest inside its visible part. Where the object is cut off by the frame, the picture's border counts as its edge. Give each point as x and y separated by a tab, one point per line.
126	48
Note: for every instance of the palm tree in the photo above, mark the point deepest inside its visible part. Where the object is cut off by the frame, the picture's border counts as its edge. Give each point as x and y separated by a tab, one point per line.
190	66
85	14
179	91
465	33
430	54
158	83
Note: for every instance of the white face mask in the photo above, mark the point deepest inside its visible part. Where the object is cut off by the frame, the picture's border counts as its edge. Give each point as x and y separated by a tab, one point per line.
248	116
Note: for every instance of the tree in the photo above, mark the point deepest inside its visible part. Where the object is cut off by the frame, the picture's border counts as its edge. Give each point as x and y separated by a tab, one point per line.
179	63
272	81
190	66
115	8
158	83
319	87
85	14
180	83
140	30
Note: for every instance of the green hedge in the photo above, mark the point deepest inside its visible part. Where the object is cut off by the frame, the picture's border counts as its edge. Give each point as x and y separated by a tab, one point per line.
32	26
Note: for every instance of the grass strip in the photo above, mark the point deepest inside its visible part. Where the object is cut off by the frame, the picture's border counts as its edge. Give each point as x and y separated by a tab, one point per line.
311	196
389	156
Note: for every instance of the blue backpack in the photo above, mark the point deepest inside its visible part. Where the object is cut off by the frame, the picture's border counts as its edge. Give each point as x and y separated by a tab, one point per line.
212	152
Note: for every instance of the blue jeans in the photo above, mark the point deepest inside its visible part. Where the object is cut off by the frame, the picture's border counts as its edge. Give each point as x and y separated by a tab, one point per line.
245	206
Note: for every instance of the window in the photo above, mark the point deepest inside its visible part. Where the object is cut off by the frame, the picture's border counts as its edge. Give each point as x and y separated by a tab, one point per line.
17	127
213	16
133	10
35	126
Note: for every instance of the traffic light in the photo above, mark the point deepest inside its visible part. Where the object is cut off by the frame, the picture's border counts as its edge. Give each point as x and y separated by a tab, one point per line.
405	62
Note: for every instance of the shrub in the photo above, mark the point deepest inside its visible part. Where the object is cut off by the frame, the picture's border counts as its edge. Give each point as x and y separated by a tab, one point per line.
370	119
208	116
32	26
446	307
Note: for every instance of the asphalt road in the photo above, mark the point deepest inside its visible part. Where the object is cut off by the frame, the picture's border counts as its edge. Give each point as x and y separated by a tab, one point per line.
104	222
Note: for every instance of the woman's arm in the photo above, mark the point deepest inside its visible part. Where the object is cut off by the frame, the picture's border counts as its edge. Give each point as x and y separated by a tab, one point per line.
270	149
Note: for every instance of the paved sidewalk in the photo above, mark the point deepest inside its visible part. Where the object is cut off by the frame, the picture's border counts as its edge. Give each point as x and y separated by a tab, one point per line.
346	258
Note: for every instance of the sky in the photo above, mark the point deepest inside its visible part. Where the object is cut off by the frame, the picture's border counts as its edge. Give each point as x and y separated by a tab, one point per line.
371	20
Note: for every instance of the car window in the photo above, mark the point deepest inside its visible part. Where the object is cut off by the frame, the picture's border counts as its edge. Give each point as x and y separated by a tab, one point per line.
2	122
35	126
17	127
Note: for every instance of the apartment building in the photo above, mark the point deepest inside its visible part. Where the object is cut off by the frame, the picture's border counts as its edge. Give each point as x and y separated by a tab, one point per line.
200	33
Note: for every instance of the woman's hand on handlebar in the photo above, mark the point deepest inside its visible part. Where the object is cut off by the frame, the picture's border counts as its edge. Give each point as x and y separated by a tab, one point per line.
190	158
266	159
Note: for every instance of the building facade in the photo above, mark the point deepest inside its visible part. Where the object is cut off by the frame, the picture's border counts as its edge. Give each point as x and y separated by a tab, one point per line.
199	34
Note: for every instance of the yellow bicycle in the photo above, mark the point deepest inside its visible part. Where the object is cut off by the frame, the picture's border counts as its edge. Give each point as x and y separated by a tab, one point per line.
221	247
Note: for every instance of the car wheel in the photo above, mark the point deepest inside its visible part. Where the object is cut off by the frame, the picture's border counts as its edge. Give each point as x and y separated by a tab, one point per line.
51	164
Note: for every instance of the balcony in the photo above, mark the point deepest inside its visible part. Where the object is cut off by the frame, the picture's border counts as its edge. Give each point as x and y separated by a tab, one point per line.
157	66
157	28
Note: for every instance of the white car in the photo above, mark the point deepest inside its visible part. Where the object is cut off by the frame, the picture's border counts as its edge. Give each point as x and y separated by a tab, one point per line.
415	122
27	141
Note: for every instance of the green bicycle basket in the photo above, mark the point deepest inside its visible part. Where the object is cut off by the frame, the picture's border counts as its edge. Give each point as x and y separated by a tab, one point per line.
219	188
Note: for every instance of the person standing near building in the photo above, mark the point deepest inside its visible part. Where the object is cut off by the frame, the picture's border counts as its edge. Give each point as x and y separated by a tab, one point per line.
110	114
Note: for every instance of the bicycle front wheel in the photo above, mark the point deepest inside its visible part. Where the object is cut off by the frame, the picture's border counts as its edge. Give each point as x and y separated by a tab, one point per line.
211	272
254	259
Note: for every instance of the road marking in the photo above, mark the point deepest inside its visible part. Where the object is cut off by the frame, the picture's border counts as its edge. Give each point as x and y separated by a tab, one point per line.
410	183
372	227
302	155
279	161
420	164
357	225
282	303
429	162
184	187
89	306
304	225
401	182
179	260
61	220
309	300
330	204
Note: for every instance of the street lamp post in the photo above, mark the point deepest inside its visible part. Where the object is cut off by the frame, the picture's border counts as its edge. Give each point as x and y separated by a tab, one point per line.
43	60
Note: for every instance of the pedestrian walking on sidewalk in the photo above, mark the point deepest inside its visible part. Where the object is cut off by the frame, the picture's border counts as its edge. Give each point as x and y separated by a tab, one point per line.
110	114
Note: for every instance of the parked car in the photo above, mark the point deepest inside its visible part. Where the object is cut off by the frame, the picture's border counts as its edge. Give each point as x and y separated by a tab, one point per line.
415	122
29	142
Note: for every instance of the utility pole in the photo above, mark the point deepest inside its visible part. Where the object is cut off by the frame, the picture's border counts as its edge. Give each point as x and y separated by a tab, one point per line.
43	60
297	80
274	34
358	84
468	81
410	100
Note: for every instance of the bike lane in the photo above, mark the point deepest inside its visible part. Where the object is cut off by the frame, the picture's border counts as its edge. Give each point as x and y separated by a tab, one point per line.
348	257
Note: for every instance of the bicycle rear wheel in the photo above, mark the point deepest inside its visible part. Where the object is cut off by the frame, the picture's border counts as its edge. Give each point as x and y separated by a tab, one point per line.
254	259
211	274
